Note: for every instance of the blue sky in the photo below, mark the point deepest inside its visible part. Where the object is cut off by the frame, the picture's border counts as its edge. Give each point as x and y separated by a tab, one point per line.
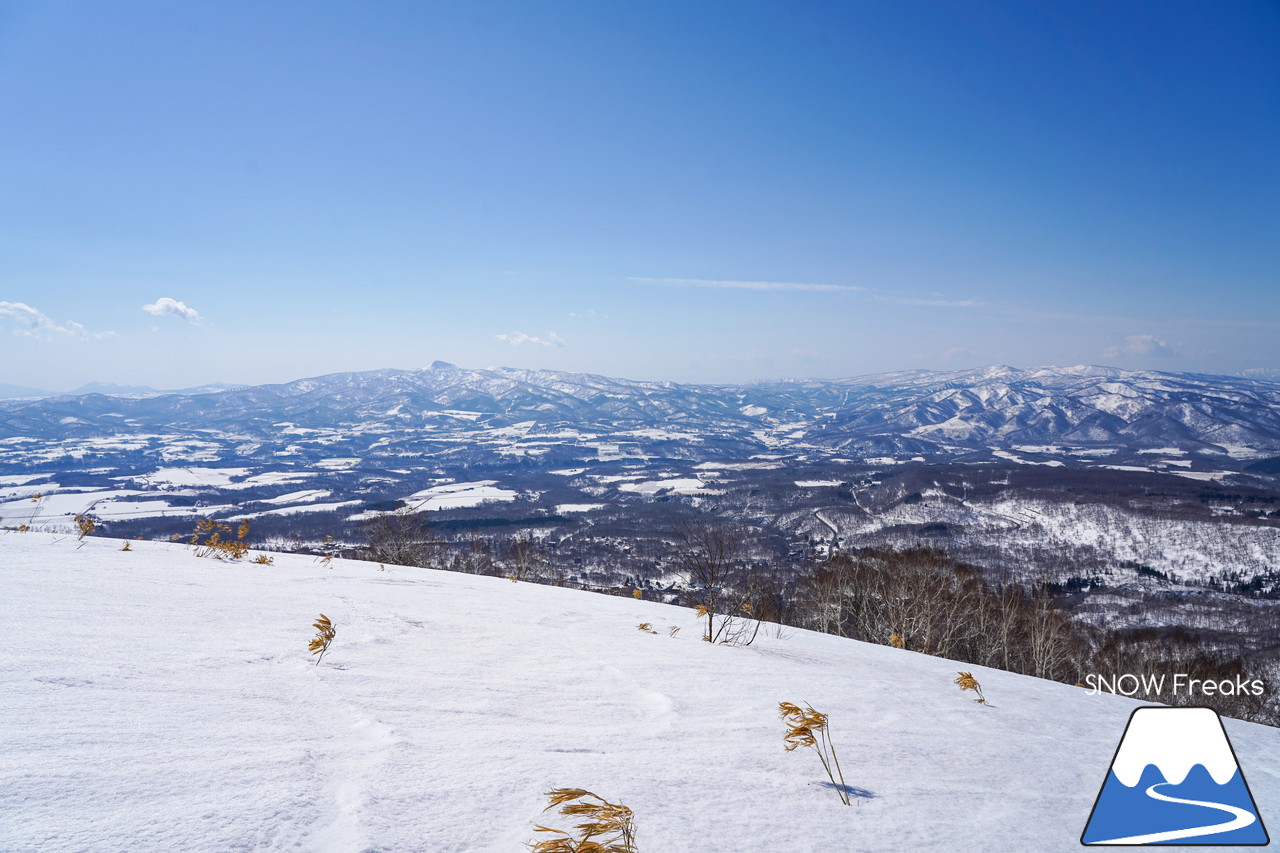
255	192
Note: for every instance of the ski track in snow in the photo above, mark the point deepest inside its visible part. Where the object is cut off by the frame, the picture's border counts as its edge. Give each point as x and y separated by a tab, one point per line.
1241	818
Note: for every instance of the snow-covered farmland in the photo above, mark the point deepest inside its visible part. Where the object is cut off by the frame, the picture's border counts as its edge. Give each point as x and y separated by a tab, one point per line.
191	476
294	510
675	485
55	509
299	496
563	508
158	701
456	495
338	463
272	478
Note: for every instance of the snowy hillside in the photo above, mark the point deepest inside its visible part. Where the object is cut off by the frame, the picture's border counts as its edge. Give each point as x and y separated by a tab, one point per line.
153	700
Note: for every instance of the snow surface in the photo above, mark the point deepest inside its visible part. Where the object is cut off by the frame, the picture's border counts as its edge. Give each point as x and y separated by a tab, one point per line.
299	497
339	463
563	508
57	511
191	476
153	700
294	510
456	495
677	485
271	478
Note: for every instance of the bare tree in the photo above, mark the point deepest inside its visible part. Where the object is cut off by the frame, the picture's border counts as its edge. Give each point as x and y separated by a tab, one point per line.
821	595
710	555
524	557
400	538
475	557
923	600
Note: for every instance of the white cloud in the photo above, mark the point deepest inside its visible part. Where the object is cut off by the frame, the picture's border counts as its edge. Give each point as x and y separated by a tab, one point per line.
165	305
520	339
750	285
35	324
1143	346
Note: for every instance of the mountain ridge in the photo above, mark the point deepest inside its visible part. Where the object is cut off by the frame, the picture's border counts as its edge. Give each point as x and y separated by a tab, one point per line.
916	411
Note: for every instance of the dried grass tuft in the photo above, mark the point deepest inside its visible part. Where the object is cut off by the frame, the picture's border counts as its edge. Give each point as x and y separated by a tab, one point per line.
84	524
966	681
325	634
809	728
607	828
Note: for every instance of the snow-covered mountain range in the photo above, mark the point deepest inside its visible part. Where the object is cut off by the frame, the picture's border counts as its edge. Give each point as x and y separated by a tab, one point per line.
925	412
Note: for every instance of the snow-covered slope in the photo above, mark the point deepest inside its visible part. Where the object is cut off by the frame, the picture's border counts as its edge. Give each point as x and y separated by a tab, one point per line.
152	700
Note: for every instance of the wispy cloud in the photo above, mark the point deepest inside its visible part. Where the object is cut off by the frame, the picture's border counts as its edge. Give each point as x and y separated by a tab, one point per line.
33	323
750	285
164	305
1143	346
935	302
517	339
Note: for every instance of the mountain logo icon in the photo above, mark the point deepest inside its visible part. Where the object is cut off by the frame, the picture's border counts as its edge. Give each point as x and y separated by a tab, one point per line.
1175	780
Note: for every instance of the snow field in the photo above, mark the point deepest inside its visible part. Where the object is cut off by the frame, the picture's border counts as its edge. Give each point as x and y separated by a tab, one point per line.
152	700
457	495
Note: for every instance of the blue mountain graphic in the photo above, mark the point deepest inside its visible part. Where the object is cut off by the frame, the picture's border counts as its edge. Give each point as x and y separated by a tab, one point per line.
1124	812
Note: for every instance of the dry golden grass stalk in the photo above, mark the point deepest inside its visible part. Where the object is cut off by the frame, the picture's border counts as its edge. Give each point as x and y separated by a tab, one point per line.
264	560
209	540
809	728
84	524
326	633
966	681
607	828
126	546
646	627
